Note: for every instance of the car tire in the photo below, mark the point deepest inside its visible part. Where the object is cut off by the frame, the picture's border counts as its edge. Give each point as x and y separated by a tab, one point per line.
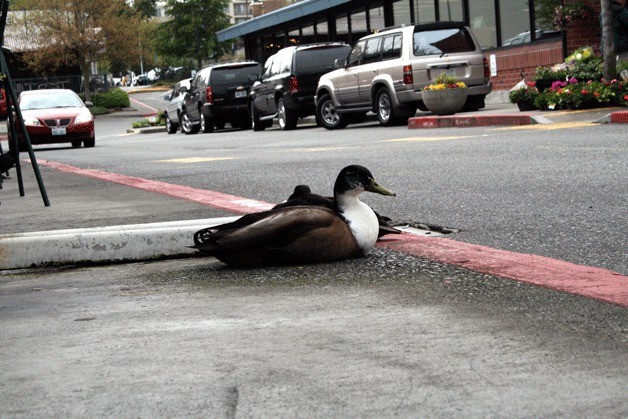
207	123
171	127
255	121
327	115
76	144
89	143
384	108
286	117
245	123
186	124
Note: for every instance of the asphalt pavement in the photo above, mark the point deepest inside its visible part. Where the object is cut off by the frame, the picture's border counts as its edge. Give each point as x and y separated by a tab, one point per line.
383	336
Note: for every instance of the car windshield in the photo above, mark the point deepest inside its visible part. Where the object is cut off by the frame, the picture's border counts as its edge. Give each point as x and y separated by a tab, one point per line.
444	41
50	100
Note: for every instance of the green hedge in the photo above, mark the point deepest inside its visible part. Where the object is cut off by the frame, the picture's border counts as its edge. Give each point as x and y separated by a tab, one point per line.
114	98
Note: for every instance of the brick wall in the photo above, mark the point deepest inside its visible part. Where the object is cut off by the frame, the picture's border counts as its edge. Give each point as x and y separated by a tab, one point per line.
512	61
585	31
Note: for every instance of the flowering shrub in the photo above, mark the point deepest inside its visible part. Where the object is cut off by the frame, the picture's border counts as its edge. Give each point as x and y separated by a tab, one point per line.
574	95
445	81
528	93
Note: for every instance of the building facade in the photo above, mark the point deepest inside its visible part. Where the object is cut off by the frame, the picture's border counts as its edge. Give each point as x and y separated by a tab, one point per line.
519	34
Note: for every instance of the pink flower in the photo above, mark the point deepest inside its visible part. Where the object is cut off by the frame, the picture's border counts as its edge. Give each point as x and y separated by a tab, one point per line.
573	80
584	91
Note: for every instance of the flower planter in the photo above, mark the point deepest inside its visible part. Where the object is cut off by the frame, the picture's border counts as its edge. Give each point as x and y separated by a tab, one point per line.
445	101
526	105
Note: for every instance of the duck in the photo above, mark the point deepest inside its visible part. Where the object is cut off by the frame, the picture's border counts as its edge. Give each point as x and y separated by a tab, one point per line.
301	233
302	195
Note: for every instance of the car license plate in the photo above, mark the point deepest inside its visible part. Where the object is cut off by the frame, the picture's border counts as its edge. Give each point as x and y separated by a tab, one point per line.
240	93
58	131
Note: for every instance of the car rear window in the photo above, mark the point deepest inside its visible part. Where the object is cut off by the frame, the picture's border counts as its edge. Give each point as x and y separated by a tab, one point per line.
319	58
442	41
234	74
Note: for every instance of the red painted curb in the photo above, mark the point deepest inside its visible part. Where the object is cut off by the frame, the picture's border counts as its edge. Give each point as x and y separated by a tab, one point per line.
619	117
596	283
555	274
219	200
468	121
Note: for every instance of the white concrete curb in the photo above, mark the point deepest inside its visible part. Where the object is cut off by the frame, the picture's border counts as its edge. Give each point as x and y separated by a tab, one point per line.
101	244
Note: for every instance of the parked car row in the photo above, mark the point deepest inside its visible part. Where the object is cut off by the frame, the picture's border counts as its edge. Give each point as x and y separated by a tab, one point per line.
383	73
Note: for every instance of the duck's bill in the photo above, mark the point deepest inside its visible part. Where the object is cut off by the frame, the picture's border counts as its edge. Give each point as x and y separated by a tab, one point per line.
376	188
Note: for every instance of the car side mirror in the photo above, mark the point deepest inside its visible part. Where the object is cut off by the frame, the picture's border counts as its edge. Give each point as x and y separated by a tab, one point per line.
340	63
89	104
167	97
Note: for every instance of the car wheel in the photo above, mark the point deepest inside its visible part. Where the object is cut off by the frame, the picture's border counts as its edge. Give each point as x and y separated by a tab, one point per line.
328	116
186	124
286	117
89	143
255	122
245	123
207	123
76	144
384	107
171	127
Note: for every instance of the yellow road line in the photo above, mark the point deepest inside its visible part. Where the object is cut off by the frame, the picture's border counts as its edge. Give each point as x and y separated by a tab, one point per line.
548	127
194	160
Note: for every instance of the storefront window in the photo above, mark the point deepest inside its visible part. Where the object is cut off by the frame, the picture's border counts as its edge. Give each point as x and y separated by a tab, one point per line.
424	11
515	25
482	22
401	12
450	10
358	24
376	14
342	29
322	32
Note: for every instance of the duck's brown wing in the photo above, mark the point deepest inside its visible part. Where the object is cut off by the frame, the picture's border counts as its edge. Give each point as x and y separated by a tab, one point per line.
290	235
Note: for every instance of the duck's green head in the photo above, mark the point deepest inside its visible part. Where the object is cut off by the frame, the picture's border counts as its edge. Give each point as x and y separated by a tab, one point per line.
356	179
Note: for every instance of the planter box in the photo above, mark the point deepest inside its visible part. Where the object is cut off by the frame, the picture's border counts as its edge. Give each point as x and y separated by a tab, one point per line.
446	101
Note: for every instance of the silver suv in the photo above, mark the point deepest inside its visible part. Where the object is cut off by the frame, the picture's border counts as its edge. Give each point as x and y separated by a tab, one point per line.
386	71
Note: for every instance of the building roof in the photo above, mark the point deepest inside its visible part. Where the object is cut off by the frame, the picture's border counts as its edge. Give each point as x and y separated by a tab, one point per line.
286	14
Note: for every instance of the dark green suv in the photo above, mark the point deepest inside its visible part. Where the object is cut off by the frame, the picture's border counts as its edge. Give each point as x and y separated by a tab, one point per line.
217	95
288	83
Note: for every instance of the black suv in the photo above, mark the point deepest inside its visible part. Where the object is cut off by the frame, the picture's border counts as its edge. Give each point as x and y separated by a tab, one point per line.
288	84
217	95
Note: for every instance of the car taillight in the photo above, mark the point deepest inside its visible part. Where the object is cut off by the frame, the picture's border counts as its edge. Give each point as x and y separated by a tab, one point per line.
407	74
293	85
209	96
487	69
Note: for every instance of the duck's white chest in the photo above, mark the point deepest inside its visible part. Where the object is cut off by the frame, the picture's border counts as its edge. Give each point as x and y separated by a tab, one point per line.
363	224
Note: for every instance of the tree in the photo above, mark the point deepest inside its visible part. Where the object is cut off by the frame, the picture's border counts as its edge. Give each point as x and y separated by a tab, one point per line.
608	43
80	32
146	8
191	33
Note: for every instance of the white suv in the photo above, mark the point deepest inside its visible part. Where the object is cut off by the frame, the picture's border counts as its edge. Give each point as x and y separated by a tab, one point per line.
386	71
